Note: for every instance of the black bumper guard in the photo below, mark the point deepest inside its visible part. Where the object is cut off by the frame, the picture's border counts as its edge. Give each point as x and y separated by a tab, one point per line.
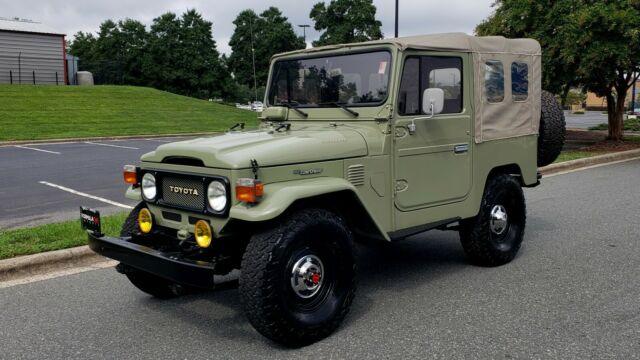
165	265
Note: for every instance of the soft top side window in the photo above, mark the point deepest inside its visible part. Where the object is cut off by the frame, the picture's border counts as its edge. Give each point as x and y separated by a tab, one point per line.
519	81
494	81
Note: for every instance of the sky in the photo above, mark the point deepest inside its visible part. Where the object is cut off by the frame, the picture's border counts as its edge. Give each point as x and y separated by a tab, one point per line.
416	16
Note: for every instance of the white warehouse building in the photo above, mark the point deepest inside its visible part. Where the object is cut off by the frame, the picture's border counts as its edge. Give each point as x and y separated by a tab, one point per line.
31	53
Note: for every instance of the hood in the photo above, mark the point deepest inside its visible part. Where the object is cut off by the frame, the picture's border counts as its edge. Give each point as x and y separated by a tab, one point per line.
235	150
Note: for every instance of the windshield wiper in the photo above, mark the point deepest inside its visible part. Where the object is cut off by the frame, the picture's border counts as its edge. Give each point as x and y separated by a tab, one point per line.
343	107
295	108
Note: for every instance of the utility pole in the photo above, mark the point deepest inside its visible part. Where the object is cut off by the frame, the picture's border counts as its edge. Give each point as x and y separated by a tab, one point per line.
633	94
397	6
304	32
253	56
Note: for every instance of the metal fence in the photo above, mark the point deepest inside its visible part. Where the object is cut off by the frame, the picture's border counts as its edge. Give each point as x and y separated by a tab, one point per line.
17	69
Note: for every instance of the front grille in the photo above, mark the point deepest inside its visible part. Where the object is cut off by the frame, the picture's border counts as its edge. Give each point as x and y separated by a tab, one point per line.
181	192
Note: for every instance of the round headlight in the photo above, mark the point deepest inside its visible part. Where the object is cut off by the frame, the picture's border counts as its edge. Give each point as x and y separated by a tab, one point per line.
217	195
149	189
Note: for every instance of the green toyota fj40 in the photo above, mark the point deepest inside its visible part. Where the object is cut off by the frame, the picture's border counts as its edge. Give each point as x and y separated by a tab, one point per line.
376	140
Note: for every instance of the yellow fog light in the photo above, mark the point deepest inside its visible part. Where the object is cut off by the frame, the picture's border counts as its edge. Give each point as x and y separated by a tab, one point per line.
145	220
203	234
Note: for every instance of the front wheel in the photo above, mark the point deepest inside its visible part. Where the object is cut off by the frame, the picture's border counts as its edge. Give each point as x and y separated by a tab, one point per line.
298	277
495	235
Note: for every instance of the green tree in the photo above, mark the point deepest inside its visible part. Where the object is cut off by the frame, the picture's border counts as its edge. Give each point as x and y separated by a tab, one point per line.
575	97
271	33
182	56
83	46
346	21
115	56
588	43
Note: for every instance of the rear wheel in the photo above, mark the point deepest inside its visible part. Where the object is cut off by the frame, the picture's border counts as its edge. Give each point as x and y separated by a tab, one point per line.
298	277
494	236
149	283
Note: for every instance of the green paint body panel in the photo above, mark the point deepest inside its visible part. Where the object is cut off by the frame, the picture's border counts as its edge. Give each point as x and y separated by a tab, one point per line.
400	180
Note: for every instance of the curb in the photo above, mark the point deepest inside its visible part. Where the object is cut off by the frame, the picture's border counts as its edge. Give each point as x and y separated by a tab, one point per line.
589	161
122	137
37	264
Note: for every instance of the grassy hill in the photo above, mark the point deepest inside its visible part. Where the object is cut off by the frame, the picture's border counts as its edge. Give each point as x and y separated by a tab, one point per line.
54	112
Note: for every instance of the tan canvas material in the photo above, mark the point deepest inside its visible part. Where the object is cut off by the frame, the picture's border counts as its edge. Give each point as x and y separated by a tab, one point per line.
493	121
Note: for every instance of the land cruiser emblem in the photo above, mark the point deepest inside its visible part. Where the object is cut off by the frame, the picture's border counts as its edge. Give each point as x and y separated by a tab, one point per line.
307	172
183	190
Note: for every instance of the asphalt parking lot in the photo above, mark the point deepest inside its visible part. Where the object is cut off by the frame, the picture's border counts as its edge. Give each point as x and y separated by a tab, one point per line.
573	292
43	183
586	120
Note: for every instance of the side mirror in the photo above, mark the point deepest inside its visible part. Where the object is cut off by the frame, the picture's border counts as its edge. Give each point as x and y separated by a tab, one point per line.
432	104
432	101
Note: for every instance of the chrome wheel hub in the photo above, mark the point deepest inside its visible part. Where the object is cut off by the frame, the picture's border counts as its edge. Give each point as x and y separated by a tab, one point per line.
307	276
499	220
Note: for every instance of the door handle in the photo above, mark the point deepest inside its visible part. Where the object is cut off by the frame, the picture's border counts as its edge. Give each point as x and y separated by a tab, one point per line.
461	148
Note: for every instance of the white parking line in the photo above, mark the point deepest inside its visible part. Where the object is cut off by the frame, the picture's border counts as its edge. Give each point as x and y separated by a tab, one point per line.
111	145
35	149
86	195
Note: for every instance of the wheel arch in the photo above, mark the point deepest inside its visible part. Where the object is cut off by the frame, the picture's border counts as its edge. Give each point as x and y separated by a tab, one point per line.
334	194
509	169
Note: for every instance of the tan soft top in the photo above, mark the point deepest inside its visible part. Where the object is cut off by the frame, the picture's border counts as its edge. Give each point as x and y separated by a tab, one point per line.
448	41
509	118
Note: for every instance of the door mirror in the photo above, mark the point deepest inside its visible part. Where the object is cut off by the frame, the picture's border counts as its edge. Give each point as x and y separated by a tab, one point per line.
433	101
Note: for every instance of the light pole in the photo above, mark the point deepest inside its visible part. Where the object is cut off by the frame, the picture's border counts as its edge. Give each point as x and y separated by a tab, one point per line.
304	32
253	56
397	6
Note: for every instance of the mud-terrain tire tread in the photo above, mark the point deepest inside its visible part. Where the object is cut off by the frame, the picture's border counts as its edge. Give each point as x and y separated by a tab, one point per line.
552	130
148	283
130	225
258	289
475	232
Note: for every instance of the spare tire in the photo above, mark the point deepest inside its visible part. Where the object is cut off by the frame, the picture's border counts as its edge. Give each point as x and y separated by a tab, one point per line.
552	130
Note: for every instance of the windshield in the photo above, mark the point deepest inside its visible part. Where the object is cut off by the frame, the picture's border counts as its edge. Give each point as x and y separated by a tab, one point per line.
354	79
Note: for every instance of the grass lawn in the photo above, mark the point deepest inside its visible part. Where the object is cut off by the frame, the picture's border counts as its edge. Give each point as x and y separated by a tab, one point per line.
30	112
52	236
575	154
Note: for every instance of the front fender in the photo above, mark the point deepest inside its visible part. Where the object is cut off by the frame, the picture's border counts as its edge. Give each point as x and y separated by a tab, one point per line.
133	193
279	196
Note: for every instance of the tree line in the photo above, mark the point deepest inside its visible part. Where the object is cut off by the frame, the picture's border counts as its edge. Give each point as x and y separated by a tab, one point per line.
179	54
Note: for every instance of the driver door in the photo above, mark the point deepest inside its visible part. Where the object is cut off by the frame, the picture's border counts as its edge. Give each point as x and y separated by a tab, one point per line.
432	163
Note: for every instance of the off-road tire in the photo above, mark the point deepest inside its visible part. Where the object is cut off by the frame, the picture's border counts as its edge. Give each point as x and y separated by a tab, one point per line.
480	243
149	283
552	130
266	292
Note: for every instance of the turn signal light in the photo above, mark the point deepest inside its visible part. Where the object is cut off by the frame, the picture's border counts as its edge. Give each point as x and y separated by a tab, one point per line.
130	174
203	234
145	221
249	190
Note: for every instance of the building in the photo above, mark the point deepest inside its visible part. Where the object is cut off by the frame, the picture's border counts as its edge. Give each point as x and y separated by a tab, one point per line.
600	103
31	53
